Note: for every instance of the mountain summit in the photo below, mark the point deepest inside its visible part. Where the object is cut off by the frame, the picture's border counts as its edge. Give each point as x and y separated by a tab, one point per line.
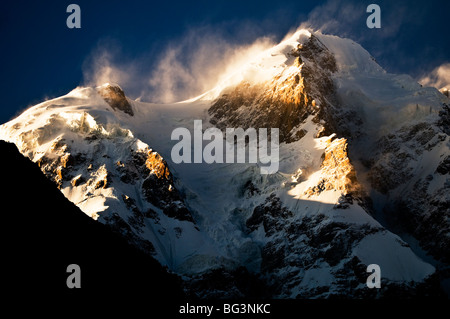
363	175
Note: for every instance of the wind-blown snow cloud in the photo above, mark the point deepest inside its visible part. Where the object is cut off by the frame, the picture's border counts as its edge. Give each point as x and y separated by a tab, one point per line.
439	77
197	64
184	68
102	66
348	18
335	16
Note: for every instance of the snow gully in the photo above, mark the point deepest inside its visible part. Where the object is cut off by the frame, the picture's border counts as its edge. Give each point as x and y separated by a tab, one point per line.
236	138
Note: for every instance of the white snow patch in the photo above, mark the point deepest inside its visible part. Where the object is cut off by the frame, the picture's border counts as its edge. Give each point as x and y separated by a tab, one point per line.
396	260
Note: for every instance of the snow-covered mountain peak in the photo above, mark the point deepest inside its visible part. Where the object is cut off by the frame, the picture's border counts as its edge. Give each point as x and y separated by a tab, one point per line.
262	67
350	56
278	60
310	225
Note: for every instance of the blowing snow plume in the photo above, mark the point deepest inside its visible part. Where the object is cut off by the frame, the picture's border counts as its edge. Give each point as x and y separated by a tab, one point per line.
186	68
101	66
335	16
197	63
438	78
348	19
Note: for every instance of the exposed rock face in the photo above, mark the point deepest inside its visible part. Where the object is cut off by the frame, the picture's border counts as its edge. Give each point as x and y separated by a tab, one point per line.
142	165
426	214
444	167
115	97
337	164
223	283
298	246
420	203
157	165
270	214
391	165
287	100
444	119
338	174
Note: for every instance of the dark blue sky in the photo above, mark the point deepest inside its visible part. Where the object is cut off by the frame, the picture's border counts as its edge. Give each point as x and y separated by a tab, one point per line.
41	58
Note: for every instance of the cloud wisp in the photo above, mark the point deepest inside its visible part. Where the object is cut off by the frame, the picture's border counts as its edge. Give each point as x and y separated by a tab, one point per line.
182	69
102	65
439	77
198	63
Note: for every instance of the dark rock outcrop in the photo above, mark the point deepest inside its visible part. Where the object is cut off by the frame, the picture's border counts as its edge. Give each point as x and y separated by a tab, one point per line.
115	97
422	210
300	244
